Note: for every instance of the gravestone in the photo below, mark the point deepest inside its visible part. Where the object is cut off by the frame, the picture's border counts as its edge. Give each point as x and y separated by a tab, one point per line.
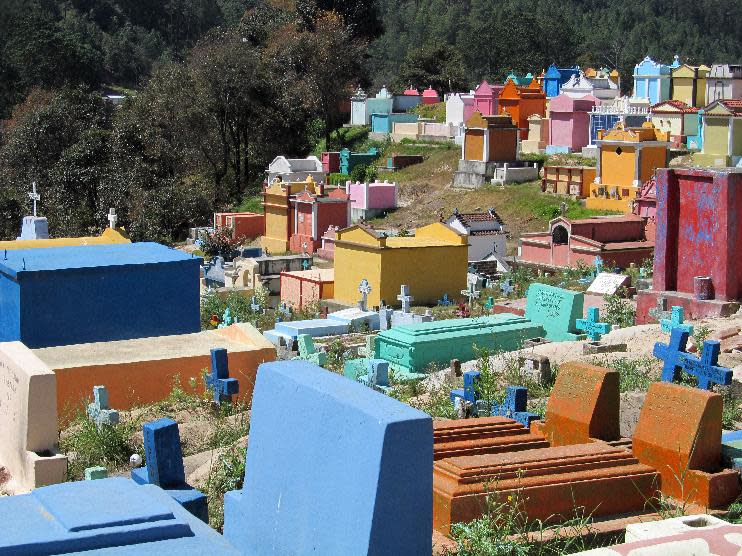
403	317
676	359
591	325
464	399
95	473
100	411
607	283
28	420
556	309
308	352
377	376
364	289
164	459
358	479
676	320
445	301
515	406
536	367
405	297
222	387
471	292
507	287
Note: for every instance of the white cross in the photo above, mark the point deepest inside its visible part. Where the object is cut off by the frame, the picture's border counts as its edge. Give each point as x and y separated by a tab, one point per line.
471	292
364	289
405	297
34	197
112	218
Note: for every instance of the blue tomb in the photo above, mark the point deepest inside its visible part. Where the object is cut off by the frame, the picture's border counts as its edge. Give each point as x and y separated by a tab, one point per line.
97	293
346	471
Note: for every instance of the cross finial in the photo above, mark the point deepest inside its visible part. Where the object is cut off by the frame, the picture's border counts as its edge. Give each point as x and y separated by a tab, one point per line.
34	196
405	297
112	218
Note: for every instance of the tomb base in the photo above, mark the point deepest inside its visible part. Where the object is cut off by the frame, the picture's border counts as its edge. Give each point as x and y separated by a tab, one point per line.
553	484
591	348
484	435
533	342
192	500
693	308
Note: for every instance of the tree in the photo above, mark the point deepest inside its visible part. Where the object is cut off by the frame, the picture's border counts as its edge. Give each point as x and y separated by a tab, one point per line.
437	65
360	16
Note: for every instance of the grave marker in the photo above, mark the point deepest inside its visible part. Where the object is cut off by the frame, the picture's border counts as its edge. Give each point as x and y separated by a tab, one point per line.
364	288
704	368
556	309
405	297
378	374
28	420
164	459
308	352
598	262
660	311
507	287
112	218
95	473
607	283
591	325
445	301
471	292
255	307
515	406
100	411
676	320
35	197
218	380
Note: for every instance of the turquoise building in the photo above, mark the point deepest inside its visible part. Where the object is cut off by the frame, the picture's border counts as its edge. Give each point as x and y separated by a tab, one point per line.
652	80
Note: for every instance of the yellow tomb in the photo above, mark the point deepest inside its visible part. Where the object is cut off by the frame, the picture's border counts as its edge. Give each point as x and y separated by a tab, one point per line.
433	262
279	213
627	157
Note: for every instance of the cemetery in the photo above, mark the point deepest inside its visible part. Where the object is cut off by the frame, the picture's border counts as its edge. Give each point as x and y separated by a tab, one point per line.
530	330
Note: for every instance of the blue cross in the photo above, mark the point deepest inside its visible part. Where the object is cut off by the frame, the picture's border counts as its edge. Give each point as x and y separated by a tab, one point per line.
227	319
99	411
469	392
591	325
507	287
445	301
285	310
306	265
490	303
218	380
514	407
254	305
676	321
705	368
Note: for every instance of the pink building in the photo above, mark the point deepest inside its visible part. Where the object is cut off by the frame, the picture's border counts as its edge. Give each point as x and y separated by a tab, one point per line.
485	98
569	124
331	162
245	225
430	96
304	287
369	200
327	250
315	213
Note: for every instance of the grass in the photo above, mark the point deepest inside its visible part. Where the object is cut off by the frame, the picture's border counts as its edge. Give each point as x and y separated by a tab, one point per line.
635	374
435	111
250	203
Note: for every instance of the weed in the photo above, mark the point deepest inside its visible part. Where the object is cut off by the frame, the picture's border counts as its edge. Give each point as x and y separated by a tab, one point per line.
635	374
179	399
732	412
734	512
618	311
227	473
700	335
337	353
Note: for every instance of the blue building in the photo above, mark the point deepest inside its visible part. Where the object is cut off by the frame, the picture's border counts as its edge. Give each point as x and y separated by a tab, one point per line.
384	123
97	293
555	77
652	81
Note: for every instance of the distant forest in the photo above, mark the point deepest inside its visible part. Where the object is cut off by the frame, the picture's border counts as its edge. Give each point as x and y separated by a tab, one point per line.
217	88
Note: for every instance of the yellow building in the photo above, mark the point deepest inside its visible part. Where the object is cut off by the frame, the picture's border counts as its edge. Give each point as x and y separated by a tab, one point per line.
433	262
279	213
627	157
689	84
722	134
109	236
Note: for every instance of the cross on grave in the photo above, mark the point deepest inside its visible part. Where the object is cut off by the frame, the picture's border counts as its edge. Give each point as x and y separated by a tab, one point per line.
218	380
227	319
676	321
308	352
164	457
660	312
112	218
405	297
471	292
34	196
364	288
704	368
99	411
378	374
306	265
468	393
598	262
445	301
285	310
591	325
490	303
304	246
515	406
254	305
507	287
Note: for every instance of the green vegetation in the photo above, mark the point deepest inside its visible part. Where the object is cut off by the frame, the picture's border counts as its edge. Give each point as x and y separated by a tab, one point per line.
435	112
635	374
618	311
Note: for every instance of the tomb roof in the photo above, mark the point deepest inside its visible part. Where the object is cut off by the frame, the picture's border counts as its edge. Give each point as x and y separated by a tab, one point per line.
673	107
487	216
90	256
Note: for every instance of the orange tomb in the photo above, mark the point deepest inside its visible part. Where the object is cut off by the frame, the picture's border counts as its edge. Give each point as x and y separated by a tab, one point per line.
522	102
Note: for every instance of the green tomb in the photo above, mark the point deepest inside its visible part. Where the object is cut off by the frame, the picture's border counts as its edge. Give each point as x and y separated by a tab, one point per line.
557	310
411	348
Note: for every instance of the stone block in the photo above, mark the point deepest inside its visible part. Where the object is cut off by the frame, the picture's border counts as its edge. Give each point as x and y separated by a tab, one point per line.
673	526
535	367
554	483
592	348
95	473
556	309
679	434
584	405
28	420
482	435
34	227
358	479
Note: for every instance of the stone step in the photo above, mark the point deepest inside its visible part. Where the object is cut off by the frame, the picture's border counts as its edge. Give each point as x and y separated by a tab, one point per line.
484	435
553	484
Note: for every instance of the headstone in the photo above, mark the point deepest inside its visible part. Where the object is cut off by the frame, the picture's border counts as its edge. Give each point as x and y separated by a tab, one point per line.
583	405
385	318
405	297
660	312
227	319
507	287
308	352
489	303
164	458
676	320
515	406
676	359
364	289
445	301
28	420
222	387
100	411
607	283
465	399
591	325
471	292
255	307
556	309
112	218
536	367
342	438
95	473
378	374
598	262
679	435
34	227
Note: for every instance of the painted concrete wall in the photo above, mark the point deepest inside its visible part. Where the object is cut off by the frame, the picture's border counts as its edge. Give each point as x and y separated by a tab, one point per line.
108	237
617	168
